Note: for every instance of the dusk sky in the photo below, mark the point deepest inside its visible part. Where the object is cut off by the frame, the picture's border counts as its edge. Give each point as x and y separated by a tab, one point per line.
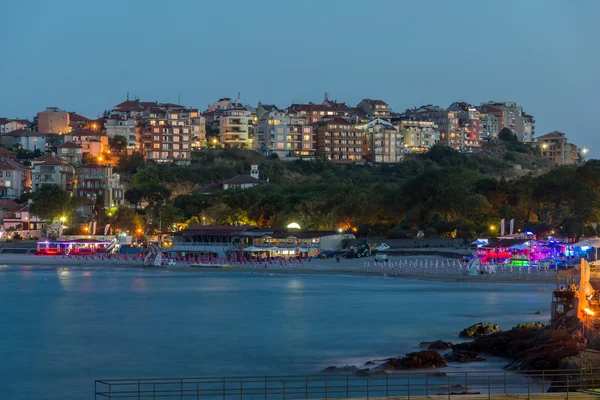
85	56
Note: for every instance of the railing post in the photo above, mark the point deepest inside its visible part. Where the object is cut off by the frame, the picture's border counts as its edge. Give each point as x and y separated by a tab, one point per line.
387	385
326	394
138	390
408	385
489	389
197	390
426	385
266	388
305	388
543	382
347	386
284	389
567	386
367	388
241	390
154	391
466	381
109	391
181	389
448	387
224	390
528	386
504	382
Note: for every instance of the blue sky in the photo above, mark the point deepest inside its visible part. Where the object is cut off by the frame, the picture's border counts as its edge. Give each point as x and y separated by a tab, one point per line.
85	56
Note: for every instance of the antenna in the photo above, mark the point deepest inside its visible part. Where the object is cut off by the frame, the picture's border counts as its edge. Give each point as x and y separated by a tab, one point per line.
127	96
326	96
238	98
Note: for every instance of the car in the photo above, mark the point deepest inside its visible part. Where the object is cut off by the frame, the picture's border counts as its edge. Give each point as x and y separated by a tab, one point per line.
381	257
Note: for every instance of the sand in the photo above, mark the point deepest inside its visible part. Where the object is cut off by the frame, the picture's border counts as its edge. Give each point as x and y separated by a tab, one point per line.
316	266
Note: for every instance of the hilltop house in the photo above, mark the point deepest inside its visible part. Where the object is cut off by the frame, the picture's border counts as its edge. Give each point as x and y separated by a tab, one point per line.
237	182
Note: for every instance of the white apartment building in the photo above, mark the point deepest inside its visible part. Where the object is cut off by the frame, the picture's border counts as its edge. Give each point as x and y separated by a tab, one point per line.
419	135
385	143
234	127
288	136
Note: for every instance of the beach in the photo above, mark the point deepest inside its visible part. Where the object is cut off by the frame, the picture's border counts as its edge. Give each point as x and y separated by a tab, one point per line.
430	267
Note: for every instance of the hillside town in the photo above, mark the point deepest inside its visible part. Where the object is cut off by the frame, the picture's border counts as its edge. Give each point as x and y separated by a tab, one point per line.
78	154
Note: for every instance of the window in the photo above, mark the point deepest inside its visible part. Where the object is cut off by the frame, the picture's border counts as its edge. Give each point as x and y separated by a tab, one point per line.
306	130
7	183
306	137
280	145
156	138
7	173
156	145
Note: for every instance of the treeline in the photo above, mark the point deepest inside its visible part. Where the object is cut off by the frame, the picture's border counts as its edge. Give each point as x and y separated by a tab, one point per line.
443	193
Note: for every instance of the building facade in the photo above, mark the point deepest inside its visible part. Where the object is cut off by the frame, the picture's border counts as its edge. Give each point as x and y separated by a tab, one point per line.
288	136
341	141
555	146
93	143
24	139
97	181
15	179
385	142
375	108
234	127
52	170
53	120
419	135
70	152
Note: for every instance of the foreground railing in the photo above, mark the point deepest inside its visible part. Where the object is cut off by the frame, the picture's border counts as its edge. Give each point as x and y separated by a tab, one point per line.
533	384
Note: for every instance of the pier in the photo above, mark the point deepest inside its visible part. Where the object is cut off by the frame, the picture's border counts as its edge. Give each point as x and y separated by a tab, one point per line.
560	384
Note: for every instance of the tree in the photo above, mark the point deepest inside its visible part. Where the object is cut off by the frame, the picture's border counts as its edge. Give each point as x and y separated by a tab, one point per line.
131	163
506	135
118	143
88	158
126	219
50	202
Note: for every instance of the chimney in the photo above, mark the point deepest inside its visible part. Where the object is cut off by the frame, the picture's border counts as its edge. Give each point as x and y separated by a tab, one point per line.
254	171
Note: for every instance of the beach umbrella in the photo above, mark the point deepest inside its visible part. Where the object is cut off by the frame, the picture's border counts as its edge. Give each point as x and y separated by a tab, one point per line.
589	242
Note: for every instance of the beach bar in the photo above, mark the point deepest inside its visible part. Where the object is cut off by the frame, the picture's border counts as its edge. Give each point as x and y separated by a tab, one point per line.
72	247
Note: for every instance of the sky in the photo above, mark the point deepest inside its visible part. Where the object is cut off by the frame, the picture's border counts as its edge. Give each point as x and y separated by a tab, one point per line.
85	56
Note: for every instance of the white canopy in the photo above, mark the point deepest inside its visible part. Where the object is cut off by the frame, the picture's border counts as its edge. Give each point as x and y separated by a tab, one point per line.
253	249
590	242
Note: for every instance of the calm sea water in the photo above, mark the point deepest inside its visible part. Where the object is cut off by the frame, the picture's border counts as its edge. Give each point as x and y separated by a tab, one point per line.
61	328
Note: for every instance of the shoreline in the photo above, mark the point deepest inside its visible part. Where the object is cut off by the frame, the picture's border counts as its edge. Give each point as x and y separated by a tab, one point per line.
352	267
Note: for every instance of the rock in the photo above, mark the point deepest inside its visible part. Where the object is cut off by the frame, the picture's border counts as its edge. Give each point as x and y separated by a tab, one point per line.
370	363
531	325
462	356
339	370
479	329
437	345
537	313
417	360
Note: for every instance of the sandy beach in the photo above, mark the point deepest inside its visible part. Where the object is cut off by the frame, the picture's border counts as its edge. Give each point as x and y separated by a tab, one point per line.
316	266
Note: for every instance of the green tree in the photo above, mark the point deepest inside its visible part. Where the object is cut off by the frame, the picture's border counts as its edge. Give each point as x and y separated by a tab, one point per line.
126	219
131	163
118	143
50	202
88	158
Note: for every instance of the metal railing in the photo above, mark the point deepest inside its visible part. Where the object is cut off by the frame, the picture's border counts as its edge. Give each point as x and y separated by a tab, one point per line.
534	384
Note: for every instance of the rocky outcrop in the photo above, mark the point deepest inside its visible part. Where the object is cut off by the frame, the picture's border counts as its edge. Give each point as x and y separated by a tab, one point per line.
462	356
531	348
437	345
416	360
479	329
531	325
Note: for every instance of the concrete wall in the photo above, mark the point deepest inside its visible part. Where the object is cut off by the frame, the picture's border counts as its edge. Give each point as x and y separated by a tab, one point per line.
423	243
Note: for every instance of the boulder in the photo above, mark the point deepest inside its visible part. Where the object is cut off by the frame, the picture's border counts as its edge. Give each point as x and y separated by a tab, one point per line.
462	356
479	329
416	360
437	345
531	325
340	370
537	313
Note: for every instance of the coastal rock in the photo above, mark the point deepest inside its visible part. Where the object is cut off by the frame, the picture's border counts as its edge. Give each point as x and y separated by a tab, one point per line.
437	345
416	360
462	356
340	370
531	325
537	313
479	329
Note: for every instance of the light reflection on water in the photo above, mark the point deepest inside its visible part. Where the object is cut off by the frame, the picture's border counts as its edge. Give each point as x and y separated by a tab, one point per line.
67	327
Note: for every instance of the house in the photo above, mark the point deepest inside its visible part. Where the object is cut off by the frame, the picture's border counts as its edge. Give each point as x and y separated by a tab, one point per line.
53	120
91	142
15	179
7	154
8	125
234	127
237	182
555	146
24	139
71	152
286	134
96	181
52	170
15	217
384	140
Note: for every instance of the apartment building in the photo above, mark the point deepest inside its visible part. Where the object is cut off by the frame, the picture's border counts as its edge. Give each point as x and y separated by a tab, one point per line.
511	116
70	152
446	121
53	120
97	181
52	170
385	142
555	146
164	132
341	141
375	108
419	135
15	179
235	127
9	125
284	134
24	139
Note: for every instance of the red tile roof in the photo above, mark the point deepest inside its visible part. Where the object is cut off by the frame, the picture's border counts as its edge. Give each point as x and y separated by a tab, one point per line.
3	121
50	160
4	152
12	165
83	132
242	180
69	145
74	117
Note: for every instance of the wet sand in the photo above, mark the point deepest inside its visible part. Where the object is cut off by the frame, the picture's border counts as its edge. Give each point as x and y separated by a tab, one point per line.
316	266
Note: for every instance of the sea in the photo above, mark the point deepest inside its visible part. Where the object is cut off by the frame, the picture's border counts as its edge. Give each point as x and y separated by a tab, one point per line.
61	328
